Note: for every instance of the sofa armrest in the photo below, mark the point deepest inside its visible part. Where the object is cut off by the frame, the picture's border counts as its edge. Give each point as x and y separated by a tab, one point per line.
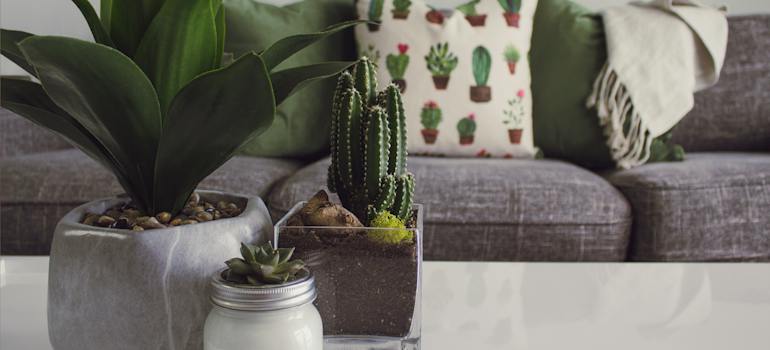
19	136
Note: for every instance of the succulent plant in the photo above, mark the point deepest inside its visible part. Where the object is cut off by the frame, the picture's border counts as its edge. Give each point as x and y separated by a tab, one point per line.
467	126
430	116
482	64
368	146
397	64
469	8
151	99
440	61
510	6
262	264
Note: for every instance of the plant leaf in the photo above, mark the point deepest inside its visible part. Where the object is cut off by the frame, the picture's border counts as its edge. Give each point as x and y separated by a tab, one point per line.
29	100
180	44
108	95
213	116
9	46
288	81
128	20
97	29
221	30
288	46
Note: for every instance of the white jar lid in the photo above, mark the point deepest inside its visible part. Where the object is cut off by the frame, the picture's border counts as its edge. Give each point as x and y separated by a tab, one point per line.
266	297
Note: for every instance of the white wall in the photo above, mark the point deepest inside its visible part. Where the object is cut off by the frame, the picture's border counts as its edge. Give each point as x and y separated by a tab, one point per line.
61	17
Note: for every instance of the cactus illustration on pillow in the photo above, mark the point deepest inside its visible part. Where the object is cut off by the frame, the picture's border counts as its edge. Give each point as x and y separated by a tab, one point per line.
511	55
482	64
397	65
401	9
441	63
375	14
466	127
514	117
430	117
511	10
471	14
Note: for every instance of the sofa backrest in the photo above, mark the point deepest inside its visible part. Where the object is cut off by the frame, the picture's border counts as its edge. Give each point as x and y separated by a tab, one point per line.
19	136
734	115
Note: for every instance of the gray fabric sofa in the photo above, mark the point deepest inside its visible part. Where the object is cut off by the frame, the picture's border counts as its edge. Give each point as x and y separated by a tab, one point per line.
714	206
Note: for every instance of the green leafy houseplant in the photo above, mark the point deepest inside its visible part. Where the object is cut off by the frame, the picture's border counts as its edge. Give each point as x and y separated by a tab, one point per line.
441	63
401	9
482	64
471	14
151	99
511	55
397	65
375	14
368	147
511	10
466	127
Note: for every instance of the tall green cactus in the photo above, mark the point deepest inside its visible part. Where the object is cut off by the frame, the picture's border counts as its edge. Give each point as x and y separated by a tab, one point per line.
482	63
375	10
368	148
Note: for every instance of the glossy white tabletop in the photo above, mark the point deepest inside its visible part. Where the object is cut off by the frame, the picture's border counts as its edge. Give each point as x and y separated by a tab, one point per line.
523	306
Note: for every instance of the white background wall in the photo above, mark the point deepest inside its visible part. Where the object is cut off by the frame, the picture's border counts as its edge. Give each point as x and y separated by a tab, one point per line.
60	17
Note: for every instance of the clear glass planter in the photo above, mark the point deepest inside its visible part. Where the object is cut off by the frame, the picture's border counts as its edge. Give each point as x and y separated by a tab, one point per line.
369	293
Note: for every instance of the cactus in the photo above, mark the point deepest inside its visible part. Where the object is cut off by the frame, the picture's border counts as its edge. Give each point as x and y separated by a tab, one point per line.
482	63
375	14
397	63
368	169
510	6
430	116
511	56
440	61
467	126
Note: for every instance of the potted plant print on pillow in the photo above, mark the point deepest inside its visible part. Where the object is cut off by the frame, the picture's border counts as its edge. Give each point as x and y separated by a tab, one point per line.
514	117
397	65
511	56
401	9
441	63
434	16
471	14
466	127
375	15
511	10
430	117
482	64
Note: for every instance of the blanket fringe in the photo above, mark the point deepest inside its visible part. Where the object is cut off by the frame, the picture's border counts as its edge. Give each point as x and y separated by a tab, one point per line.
627	135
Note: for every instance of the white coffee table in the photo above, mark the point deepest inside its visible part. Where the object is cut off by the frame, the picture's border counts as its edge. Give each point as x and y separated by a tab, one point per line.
522	306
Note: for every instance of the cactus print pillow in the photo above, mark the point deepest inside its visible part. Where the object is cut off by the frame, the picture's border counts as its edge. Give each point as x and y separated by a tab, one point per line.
463	71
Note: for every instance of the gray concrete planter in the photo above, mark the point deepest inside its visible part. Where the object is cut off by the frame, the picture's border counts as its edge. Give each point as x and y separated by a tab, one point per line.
119	289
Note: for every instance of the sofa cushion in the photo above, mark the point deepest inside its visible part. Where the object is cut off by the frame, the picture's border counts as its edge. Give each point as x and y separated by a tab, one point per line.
37	190
734	115
496	209
19	136
712	206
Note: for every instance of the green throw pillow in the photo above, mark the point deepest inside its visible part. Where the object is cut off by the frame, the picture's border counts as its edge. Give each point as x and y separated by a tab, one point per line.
568	52
301	125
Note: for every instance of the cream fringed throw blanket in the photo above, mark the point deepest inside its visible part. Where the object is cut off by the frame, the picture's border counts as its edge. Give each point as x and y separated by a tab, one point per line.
659	53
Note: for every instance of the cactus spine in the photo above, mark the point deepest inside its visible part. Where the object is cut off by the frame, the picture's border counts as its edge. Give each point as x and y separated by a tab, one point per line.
482	63
368	169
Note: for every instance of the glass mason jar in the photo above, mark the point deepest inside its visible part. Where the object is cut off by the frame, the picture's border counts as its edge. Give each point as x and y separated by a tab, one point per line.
263	317
368	293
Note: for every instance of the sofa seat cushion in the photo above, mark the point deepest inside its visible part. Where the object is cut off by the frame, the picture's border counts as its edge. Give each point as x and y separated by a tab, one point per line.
712	206
37	190
501	209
